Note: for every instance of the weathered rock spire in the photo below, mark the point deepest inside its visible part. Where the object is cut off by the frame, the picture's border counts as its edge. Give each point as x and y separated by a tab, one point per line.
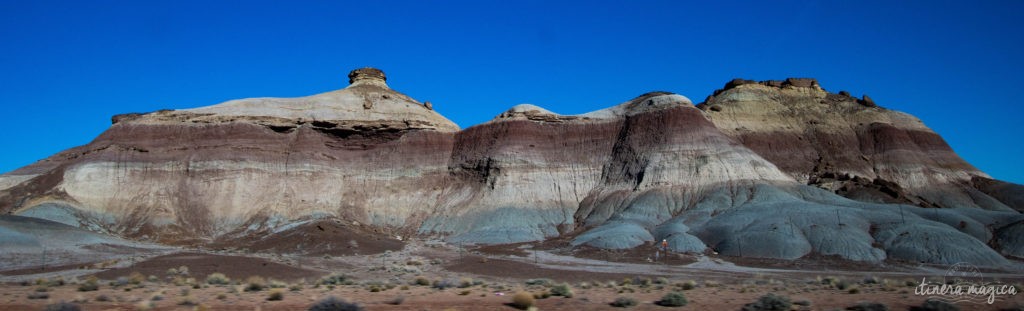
367	75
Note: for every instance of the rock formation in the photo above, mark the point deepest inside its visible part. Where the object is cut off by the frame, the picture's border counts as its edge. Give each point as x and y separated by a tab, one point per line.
847	145
774	169
196	174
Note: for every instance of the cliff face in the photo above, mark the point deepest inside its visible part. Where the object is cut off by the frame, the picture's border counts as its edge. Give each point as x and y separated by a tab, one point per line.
363	153
759	170
531	174
847	145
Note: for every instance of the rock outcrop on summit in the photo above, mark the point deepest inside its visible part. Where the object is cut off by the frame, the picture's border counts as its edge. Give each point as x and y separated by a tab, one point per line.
772	169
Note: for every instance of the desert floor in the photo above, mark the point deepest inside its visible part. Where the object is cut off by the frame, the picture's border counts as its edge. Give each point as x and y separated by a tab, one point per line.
435	276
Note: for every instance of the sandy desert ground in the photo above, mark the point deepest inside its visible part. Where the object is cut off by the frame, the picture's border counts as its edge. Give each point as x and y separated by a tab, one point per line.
435	276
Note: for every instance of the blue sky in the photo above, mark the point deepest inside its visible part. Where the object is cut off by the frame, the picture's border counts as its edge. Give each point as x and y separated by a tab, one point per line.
66	67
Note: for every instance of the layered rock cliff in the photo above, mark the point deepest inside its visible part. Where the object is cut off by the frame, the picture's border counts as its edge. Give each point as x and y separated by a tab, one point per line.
776	169
845	144
363	153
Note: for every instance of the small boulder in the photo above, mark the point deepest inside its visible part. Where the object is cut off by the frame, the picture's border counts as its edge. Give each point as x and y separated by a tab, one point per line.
867	101
737	82
124	117
801	82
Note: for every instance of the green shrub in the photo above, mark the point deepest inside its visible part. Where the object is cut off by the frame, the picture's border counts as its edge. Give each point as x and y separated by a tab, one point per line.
53	282
623	302
544	294
673	299
276	284
421	281
562	290
90	284
828	280
336	279
63	306
643	282
443	284
136	278
275	295
187	301
936	305
542	282
769	302
255	284
335	304
523	300
217	278
688	285
842	285
868	306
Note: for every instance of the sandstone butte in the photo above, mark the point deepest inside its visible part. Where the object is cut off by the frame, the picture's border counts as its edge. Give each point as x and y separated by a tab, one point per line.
770	169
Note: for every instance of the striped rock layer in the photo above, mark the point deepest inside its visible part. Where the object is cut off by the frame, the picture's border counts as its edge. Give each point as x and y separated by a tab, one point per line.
774	169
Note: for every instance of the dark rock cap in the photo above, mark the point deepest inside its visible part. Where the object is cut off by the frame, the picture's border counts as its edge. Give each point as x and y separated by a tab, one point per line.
366	73
795	82
801	82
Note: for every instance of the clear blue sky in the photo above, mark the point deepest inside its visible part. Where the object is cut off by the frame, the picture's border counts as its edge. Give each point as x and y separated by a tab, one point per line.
67	66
